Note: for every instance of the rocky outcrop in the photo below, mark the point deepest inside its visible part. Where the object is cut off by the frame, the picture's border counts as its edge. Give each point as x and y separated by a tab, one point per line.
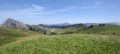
10	23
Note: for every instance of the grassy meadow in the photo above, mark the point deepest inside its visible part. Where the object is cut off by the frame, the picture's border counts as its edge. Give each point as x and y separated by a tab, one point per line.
67	44
80	40
10	35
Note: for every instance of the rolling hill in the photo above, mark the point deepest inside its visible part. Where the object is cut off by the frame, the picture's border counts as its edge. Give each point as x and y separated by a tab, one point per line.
8	35
96	29
66	28
74	39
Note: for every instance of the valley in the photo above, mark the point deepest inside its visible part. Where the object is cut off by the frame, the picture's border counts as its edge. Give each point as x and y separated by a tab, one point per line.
59	39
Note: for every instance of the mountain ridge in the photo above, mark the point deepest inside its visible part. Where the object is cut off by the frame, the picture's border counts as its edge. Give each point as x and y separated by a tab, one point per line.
11	23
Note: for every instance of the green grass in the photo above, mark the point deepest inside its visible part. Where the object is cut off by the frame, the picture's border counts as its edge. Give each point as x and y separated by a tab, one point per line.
107	29
9	35
79	43
68	44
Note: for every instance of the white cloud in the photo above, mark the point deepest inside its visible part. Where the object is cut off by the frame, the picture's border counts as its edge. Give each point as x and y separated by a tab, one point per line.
52	12
21	12
29	12
37	8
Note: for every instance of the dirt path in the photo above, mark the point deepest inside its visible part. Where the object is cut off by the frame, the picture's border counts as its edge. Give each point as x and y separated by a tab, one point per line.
26	38
38	36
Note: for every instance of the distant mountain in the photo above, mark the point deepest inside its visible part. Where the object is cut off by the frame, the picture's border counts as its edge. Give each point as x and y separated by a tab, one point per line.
10	23
68	24
60	24
114	23
64	24
89	24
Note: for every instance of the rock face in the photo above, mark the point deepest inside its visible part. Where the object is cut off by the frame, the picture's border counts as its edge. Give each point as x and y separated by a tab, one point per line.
10	23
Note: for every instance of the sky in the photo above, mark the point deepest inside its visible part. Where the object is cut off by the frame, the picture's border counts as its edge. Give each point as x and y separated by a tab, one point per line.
60	11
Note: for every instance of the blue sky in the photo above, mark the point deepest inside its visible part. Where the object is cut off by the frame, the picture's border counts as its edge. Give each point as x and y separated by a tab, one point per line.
60	11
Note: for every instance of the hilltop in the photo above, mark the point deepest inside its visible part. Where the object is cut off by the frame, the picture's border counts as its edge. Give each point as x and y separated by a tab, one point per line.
11	23
65	28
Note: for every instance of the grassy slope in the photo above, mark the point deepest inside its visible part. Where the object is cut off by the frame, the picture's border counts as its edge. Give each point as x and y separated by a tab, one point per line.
41	29
110	29
10	35
107	29
75	44
69	44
